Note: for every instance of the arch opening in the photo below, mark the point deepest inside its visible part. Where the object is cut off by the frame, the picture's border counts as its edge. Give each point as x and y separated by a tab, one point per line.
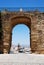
20	20
20	39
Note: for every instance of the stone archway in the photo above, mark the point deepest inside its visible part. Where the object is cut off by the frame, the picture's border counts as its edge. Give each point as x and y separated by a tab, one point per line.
32	19
13	20
21	20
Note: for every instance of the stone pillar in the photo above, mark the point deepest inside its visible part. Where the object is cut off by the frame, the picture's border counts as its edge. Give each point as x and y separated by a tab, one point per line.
6	32
37	35
40	28
34	34
6	37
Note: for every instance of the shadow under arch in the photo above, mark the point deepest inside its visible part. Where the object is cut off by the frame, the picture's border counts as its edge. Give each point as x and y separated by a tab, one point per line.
21	20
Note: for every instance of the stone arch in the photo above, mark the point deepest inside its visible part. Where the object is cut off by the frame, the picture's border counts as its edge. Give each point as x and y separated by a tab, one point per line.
31	19
12	22
20	20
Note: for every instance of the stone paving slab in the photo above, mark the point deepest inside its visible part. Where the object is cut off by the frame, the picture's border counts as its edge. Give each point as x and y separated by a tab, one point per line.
21	59
21	63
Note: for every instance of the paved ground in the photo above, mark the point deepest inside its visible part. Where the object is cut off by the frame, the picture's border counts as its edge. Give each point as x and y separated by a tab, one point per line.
21	59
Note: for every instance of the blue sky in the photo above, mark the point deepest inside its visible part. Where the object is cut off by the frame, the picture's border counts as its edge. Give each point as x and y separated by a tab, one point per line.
21	4
21	35
26	4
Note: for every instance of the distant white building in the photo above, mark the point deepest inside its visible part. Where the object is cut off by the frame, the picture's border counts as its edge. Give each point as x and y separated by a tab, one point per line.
15	49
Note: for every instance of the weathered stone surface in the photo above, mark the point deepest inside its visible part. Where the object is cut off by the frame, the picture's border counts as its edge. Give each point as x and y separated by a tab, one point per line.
34	21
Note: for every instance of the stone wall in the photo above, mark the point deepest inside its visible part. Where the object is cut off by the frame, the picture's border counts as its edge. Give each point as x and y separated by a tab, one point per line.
34	20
